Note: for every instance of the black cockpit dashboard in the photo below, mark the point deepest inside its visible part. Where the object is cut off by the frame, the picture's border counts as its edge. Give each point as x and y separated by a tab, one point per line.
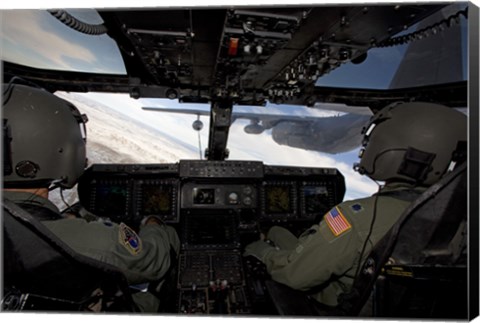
217	208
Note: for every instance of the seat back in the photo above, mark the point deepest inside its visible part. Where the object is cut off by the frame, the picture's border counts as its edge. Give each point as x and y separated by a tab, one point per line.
42	273
428	243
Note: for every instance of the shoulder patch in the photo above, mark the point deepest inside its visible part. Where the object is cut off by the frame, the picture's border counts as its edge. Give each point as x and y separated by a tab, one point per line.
356	207
129	239
337	222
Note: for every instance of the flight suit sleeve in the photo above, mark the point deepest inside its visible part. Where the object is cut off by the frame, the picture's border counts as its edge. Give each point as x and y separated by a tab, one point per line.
318	256
258	249
141	257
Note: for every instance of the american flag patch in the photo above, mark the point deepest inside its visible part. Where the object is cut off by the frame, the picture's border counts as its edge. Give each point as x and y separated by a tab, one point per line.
337	222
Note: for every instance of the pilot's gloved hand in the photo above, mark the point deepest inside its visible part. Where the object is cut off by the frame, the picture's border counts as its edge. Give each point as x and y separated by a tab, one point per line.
259	249
171	234
151	219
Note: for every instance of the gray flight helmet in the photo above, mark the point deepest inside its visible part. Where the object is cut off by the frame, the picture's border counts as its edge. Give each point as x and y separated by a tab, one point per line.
413	142
44	139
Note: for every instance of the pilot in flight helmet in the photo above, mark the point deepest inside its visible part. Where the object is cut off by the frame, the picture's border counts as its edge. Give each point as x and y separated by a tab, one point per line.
414	142
44	139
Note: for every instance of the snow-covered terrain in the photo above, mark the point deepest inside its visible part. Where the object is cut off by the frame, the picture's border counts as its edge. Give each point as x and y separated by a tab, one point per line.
115	138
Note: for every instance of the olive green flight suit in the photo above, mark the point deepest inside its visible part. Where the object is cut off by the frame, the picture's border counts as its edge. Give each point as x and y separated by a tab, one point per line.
328	253
141	258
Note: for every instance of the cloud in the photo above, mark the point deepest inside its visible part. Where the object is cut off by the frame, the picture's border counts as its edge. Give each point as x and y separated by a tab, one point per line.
263	147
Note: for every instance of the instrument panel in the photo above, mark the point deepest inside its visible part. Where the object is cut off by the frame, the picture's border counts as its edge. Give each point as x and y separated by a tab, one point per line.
217	208
127	193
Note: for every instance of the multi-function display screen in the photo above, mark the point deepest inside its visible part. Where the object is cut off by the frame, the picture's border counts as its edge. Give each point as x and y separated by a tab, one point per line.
210	229
111	199
157	199
278	199
203	196
316	199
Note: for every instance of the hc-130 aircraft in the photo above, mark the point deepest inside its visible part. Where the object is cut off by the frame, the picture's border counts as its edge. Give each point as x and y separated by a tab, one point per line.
256	56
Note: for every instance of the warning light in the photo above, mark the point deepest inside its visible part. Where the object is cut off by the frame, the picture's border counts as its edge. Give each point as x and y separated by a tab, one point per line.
233	47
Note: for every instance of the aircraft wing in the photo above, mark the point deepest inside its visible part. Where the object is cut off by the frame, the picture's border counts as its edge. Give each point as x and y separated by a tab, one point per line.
340	132
259	121
269	119
181	111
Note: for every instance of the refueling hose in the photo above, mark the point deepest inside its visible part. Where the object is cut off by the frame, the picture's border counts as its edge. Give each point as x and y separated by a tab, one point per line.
74	23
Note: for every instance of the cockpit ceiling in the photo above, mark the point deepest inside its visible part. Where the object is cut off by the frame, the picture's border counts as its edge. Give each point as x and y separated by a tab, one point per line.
251	49
246	54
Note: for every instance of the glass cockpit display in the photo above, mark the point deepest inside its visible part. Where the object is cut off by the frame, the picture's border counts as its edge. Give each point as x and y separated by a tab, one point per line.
278	199
111	198
157	197
157	200
316	199
210	230
203	196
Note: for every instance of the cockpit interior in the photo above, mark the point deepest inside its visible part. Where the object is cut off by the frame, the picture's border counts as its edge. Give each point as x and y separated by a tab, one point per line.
259	57
217	207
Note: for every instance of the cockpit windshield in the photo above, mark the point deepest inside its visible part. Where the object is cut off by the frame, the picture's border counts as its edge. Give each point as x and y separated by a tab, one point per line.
419	59
322	134
35	38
